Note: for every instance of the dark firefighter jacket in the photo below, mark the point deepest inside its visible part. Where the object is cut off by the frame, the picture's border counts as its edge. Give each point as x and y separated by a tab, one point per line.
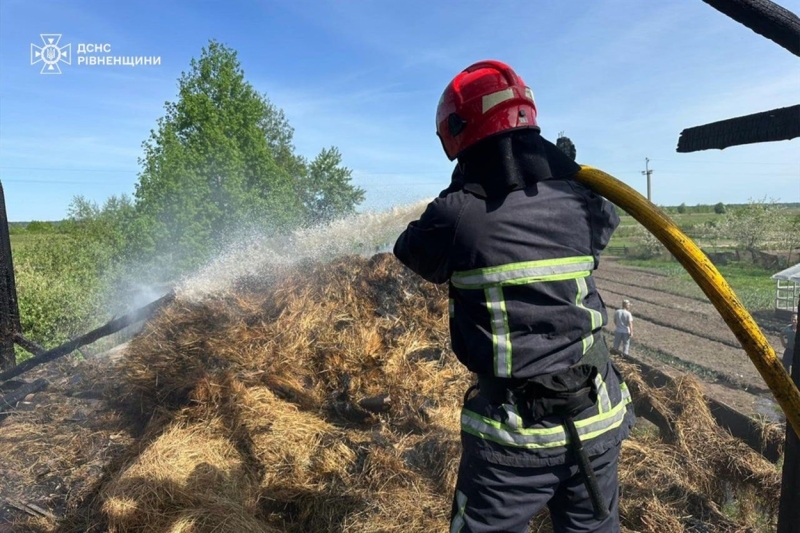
518	257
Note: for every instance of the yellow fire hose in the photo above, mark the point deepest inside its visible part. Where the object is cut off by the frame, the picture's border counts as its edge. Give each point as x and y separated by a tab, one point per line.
710	280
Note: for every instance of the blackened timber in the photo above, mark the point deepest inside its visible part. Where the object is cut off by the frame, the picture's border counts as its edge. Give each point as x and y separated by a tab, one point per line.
776	125
9	310
789	510
9	401
103	331
28	344
764	17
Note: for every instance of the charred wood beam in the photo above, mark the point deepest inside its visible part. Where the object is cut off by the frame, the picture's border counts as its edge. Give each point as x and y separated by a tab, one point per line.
766	18
28	344
9	310
9	401
788	510
377	404
776	125
103	331
31	509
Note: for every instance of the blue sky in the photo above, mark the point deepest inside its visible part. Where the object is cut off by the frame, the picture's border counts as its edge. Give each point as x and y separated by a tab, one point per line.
622	78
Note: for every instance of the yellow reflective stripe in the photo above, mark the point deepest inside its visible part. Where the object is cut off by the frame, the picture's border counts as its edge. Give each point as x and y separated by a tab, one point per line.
545	438
595	316
523	273
501	338
583	292
458	520
588	342
603	400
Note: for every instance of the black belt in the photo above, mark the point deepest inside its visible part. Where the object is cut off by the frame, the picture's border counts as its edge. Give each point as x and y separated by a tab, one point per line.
496	389
563	394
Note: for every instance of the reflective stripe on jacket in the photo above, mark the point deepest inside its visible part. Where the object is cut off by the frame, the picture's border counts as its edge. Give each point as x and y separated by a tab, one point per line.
523	302
514	433
500	433
487	292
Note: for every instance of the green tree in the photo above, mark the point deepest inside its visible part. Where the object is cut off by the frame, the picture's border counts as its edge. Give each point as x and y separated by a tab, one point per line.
719	208
61	279
325	189
682	209
37	226
752	226
787	234
222	159
712	231
107	226
648	244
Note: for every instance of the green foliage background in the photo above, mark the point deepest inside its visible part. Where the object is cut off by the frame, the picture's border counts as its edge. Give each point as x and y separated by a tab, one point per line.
220	163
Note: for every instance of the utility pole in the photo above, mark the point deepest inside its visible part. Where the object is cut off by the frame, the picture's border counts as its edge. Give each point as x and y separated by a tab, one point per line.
646	172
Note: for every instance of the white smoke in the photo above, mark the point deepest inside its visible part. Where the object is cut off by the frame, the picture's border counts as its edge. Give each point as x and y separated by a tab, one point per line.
257	255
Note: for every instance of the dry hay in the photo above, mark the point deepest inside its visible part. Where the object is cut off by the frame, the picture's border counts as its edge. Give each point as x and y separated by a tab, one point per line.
329	403
56	445
692	467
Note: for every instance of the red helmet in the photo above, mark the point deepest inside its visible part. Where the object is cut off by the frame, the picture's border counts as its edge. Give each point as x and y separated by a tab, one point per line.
484	99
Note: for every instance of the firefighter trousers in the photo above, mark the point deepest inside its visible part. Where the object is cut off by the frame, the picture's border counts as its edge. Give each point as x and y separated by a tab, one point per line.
495	498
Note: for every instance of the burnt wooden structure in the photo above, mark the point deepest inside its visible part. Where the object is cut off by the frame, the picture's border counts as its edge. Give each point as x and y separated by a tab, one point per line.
789	511
781	26
9	309
9	401
113	326
776	125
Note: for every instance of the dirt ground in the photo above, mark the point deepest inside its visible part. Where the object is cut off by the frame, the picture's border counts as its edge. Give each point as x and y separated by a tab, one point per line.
688	334
69	428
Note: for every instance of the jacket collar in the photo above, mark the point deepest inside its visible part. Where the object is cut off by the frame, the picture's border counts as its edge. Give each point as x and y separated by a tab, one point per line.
510	162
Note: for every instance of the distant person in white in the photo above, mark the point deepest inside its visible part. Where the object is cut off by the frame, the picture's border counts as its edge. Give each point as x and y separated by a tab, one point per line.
623	320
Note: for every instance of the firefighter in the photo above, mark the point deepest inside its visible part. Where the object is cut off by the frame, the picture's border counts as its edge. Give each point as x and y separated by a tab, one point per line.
517	240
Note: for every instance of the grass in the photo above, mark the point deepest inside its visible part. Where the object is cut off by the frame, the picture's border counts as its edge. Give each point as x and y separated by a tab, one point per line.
626	234
681	219
751	284
21	240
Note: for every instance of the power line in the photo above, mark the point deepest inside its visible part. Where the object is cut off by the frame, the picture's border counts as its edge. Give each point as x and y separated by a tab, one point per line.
55	182
69	169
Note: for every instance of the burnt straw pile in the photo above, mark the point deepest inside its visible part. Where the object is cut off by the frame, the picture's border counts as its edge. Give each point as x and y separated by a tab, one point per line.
328	401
